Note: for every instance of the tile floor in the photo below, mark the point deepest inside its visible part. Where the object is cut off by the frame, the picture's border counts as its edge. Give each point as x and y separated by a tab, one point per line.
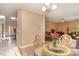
7	47
27	51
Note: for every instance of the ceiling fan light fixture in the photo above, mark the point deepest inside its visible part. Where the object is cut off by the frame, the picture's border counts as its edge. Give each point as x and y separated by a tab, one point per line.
44	8
48	6
53	7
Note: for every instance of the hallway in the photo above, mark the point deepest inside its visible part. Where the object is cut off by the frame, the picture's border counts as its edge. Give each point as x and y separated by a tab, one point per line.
7	47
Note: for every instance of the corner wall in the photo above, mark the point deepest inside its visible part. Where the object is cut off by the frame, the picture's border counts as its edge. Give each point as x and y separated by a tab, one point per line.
49	25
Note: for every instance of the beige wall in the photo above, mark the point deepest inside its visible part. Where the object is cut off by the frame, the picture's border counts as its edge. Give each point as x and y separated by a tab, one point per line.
11	23
0	28
30	24
70	24
62	27
19	28
6	24
50	25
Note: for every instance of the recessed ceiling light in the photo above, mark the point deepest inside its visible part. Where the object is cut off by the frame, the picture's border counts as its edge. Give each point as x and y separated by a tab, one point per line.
13	18
2	16
62	20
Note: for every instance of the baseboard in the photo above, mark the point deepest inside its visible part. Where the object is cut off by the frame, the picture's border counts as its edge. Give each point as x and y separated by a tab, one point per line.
25	46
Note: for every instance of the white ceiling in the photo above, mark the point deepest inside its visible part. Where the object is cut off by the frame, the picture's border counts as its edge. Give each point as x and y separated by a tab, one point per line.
68	11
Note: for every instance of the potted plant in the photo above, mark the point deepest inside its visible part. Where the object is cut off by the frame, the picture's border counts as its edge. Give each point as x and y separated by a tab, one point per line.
55	39
75	32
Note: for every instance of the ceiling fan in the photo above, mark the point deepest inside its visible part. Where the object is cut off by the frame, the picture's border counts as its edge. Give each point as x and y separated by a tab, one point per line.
48	6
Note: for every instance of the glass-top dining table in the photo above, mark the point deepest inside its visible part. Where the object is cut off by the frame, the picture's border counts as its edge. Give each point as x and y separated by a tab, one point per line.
49	50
